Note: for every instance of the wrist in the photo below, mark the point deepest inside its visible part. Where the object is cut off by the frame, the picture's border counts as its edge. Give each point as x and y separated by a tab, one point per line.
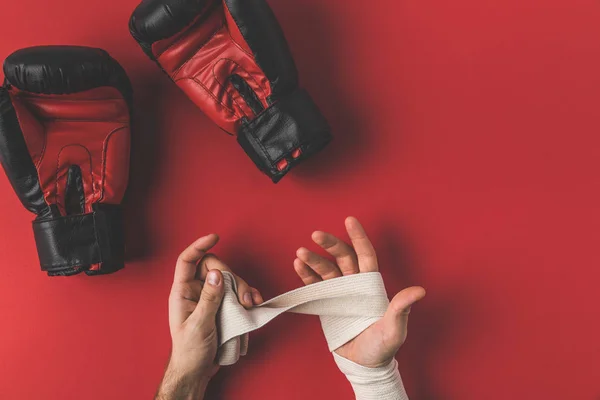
181	384
381	383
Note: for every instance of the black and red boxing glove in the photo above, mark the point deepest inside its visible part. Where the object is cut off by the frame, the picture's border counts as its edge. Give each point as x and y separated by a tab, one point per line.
64	145
231	58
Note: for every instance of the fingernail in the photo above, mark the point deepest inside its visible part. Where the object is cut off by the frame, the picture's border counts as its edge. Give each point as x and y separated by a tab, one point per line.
248	298
213	279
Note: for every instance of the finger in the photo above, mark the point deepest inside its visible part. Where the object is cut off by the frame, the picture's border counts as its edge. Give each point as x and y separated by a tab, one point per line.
256	297
189	291
187	263
322	266
182	301
395	319
344	254
209	262
212	262
307	275
210	299
367	259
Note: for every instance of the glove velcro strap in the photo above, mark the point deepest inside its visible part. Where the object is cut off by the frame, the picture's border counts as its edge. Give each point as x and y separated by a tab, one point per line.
75	243
291	129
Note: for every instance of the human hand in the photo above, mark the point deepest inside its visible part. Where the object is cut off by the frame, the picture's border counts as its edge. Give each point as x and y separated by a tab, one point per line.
195	297
377	345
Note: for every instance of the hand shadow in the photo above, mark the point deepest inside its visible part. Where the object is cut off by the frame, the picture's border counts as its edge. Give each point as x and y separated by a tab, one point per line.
148	123
320	60
438	324
263	347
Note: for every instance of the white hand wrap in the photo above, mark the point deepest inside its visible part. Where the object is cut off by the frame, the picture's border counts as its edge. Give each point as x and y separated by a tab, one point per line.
346	307
382	383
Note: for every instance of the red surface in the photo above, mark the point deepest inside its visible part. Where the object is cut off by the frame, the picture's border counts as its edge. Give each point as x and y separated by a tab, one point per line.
466	141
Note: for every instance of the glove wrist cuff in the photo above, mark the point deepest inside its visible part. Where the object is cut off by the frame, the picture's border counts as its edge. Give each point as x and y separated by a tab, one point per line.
288	131
92	242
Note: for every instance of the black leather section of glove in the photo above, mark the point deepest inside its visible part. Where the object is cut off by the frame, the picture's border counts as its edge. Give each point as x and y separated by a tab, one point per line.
111	238
71	244
291	123
154	20
64	70
16	160
264	35
247	93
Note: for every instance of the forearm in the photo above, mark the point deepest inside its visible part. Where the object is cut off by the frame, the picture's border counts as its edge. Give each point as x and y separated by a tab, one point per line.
181	386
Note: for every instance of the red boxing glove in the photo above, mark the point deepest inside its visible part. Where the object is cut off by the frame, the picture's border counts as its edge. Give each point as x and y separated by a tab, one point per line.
230	57
64	145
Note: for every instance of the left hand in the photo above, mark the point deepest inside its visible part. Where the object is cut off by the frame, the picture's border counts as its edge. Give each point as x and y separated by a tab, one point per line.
377	345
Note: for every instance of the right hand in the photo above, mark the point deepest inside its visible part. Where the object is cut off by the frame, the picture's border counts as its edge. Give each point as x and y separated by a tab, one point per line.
195	298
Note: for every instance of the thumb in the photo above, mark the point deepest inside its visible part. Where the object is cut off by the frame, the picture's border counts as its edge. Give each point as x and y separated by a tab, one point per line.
210	298
395	319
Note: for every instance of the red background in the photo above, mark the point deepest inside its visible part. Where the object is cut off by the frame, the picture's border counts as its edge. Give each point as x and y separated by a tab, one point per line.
466	141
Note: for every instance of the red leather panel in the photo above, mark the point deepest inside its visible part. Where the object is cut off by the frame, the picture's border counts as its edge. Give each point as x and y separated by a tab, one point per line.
116	165
101	104
88	129
171	53
161	45
33	130
201	60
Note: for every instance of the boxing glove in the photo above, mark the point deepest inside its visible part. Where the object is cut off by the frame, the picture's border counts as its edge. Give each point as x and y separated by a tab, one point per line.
231	59
64	145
